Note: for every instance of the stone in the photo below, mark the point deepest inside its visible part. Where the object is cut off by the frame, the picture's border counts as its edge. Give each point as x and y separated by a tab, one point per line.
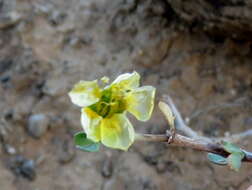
10	149
38	125
24	167
9	20
67	152
161	167
107	168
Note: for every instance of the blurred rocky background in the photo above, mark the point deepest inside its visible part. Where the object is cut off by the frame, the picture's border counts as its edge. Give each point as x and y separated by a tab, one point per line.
199	52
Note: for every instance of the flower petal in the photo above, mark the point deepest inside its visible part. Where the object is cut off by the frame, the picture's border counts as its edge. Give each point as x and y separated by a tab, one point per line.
91	124
117	132
140	102
105	79
85	93
127	80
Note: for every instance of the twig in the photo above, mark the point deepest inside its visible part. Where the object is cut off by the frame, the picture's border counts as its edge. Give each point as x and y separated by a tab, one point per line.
180	125
196	144
194	140
236	103
235	137
179	122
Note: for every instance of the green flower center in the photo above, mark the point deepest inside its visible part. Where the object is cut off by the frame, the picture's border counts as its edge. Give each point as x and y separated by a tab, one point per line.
111	102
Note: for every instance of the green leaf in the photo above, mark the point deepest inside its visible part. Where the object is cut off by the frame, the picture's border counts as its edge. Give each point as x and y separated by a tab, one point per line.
234	161
217	159
83	143
231	148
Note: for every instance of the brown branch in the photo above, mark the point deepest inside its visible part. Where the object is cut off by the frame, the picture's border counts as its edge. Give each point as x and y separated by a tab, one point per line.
196	144
193	139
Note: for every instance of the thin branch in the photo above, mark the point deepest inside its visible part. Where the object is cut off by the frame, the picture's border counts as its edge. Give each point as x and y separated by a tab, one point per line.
237	103
194	140
196	144
179	122
181	126
235	137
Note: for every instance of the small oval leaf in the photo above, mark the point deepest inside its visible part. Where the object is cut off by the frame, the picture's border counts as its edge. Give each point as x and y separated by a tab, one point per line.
217	159
91	148
231	148
83	143
234	161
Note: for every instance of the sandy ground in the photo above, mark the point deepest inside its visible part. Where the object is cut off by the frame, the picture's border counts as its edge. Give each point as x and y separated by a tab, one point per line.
48	45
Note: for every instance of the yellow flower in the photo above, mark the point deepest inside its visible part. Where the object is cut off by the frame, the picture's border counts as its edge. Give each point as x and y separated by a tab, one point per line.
103	113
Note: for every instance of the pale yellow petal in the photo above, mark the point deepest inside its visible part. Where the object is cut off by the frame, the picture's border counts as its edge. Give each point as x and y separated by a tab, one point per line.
117	132
140	102
85	93
167	112
91	124
127	80
105	79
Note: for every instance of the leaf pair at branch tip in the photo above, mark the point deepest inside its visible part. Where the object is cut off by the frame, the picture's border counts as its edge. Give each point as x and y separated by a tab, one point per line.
236	155
233	160
83	143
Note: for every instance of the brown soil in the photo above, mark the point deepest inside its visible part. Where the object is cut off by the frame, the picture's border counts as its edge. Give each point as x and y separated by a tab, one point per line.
48	45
